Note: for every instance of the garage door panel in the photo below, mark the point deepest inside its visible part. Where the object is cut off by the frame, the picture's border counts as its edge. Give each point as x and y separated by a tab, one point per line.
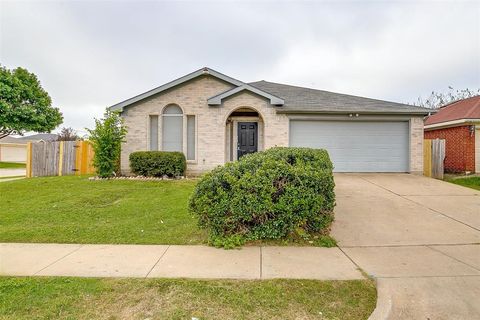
356	146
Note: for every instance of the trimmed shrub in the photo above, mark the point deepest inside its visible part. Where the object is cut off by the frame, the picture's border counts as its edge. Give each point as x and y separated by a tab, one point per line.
158	163
266	195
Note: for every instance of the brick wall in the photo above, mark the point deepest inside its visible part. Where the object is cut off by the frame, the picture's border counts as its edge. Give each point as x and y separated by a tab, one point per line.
459	147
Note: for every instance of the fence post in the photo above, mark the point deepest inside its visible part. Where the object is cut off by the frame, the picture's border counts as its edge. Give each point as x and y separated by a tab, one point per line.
60	158
427	157
29	160
438	156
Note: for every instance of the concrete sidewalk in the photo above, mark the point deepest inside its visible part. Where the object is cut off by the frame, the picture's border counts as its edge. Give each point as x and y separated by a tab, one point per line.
175	262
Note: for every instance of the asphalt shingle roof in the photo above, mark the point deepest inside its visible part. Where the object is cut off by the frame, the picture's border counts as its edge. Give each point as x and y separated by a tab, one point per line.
299	99
30	138
464	109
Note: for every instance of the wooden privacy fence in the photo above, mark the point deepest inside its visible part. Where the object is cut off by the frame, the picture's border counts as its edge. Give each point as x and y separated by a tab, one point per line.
433	158
59	158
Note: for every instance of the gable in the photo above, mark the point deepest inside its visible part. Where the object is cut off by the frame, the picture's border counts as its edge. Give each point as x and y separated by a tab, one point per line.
217	100
199	73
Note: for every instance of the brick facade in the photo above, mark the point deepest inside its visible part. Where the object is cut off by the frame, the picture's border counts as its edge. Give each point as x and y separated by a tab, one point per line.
459	147
416	145
211	124
211	121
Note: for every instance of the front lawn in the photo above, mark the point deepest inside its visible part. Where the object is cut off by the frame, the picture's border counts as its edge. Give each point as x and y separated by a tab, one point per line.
11	165
469	182
75	210
83	298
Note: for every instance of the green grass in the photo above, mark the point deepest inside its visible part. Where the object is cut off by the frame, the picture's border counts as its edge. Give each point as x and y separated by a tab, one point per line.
75	210
470	182
83	298
11	165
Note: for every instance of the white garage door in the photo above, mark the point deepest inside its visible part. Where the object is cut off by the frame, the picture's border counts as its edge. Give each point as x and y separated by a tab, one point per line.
13	152
356	146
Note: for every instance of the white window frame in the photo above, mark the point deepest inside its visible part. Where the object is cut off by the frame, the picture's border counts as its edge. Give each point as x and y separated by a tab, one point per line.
173	115
185	137
159	127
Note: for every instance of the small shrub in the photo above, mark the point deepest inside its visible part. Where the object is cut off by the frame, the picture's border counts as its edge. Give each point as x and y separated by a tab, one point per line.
158	163
266	195
107	138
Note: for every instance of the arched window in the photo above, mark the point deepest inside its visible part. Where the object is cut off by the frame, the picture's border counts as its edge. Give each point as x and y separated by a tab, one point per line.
172	128
172	109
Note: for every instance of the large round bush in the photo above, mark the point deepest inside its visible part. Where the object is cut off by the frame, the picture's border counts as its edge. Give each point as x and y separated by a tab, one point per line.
266	195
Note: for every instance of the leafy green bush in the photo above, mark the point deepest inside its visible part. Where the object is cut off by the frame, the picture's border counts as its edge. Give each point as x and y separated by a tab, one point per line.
158	163
266	195
107	138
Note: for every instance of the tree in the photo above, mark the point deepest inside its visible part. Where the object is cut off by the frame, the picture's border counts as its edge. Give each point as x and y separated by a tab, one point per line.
439	99
24	104
107	137
68	134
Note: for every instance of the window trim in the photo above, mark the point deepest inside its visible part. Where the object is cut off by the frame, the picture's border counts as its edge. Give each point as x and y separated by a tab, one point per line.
159	128
182	115
195	137
184	130
149	131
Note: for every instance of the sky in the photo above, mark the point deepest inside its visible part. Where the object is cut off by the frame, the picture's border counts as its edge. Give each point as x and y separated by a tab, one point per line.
90	55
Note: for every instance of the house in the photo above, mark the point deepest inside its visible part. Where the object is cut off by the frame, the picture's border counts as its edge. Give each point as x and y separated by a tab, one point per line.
31	138
213	118
47	137
15	149
459	124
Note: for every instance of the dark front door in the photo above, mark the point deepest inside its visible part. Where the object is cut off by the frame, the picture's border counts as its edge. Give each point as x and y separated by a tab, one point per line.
247	138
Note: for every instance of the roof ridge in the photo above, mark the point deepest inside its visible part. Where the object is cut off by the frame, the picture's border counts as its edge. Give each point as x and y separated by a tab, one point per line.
458	100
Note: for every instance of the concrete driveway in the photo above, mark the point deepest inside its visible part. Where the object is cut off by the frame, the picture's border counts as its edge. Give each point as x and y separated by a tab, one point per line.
418	237
12	172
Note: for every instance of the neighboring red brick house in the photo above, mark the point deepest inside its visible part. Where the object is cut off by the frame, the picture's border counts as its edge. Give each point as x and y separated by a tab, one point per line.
459	124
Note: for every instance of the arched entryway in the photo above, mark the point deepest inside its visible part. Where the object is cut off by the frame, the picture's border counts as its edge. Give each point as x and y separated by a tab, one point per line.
244	133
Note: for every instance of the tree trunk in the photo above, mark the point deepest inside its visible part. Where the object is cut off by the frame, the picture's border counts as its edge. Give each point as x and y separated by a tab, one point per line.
3	134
